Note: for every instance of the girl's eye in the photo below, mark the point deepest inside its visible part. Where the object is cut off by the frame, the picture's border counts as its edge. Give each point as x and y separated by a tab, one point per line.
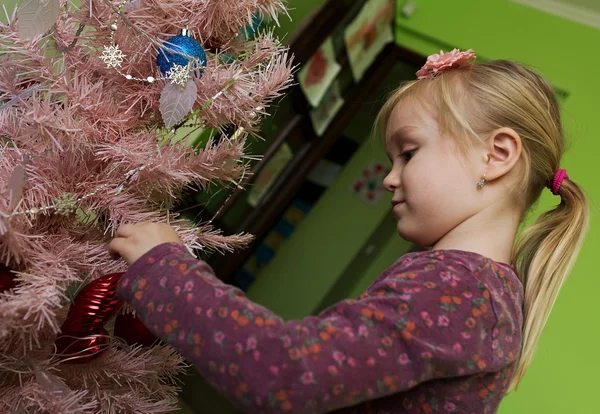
407	155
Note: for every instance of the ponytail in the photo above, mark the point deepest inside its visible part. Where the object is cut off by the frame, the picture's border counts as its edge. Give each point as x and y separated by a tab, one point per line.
544	256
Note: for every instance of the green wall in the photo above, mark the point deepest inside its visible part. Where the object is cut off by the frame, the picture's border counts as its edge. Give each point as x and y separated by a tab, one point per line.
563	378
298	11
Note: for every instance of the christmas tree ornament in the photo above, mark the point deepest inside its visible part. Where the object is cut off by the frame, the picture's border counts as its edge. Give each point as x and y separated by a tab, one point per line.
94	305
131	329
83	336
182	51
7	279
66	204
176	102
179	75
36	17
112	56
177	58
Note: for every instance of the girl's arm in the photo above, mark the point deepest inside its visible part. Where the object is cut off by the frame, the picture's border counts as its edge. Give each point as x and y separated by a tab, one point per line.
409	327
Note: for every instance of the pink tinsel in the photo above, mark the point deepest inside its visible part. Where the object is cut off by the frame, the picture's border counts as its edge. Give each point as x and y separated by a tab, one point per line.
83	130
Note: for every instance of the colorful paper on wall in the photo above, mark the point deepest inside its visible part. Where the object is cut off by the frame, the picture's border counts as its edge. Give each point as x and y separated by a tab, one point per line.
318	73
369	187
269	173
322	116
368	34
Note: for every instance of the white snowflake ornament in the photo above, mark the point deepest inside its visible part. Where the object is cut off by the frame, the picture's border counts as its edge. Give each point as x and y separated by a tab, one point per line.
112	56
179	75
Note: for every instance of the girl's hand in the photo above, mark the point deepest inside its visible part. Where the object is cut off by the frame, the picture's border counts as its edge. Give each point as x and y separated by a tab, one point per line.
132	241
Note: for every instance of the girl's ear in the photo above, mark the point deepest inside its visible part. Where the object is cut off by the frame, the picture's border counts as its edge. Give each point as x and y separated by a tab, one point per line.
503	151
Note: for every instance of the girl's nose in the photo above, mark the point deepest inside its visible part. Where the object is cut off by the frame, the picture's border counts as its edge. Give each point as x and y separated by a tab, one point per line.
392	181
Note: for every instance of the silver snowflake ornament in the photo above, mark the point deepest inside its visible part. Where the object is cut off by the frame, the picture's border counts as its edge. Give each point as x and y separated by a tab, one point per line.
179	75
112	56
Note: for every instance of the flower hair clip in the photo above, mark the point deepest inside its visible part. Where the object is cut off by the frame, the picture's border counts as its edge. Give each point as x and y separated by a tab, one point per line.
443	61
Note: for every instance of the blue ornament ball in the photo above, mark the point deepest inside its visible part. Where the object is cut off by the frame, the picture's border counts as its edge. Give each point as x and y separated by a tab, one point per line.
166	59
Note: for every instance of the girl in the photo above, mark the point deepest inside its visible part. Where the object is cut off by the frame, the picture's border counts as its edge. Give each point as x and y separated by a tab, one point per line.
451	329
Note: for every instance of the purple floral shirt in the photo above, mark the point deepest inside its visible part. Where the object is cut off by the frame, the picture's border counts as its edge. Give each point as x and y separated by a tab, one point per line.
438	332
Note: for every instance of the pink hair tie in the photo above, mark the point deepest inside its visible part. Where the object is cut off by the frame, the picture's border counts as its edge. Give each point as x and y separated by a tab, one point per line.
557	181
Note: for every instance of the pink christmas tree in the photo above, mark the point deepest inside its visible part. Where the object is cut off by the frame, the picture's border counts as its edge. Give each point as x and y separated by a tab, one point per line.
91	138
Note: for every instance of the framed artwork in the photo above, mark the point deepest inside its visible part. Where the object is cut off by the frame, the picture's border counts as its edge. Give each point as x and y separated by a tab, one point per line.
368	34
269	173
318	73
332	102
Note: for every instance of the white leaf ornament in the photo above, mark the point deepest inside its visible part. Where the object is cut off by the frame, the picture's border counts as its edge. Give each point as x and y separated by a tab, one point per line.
36	17
177	102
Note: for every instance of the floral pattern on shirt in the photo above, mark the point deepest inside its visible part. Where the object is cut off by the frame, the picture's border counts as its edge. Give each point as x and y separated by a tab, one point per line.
437	332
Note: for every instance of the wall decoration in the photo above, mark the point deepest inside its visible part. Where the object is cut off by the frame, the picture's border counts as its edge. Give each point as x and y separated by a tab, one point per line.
318	73
368	34
322	116
269	173
369	187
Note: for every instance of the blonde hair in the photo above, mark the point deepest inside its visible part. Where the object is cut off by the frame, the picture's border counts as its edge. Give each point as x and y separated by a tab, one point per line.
506	94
